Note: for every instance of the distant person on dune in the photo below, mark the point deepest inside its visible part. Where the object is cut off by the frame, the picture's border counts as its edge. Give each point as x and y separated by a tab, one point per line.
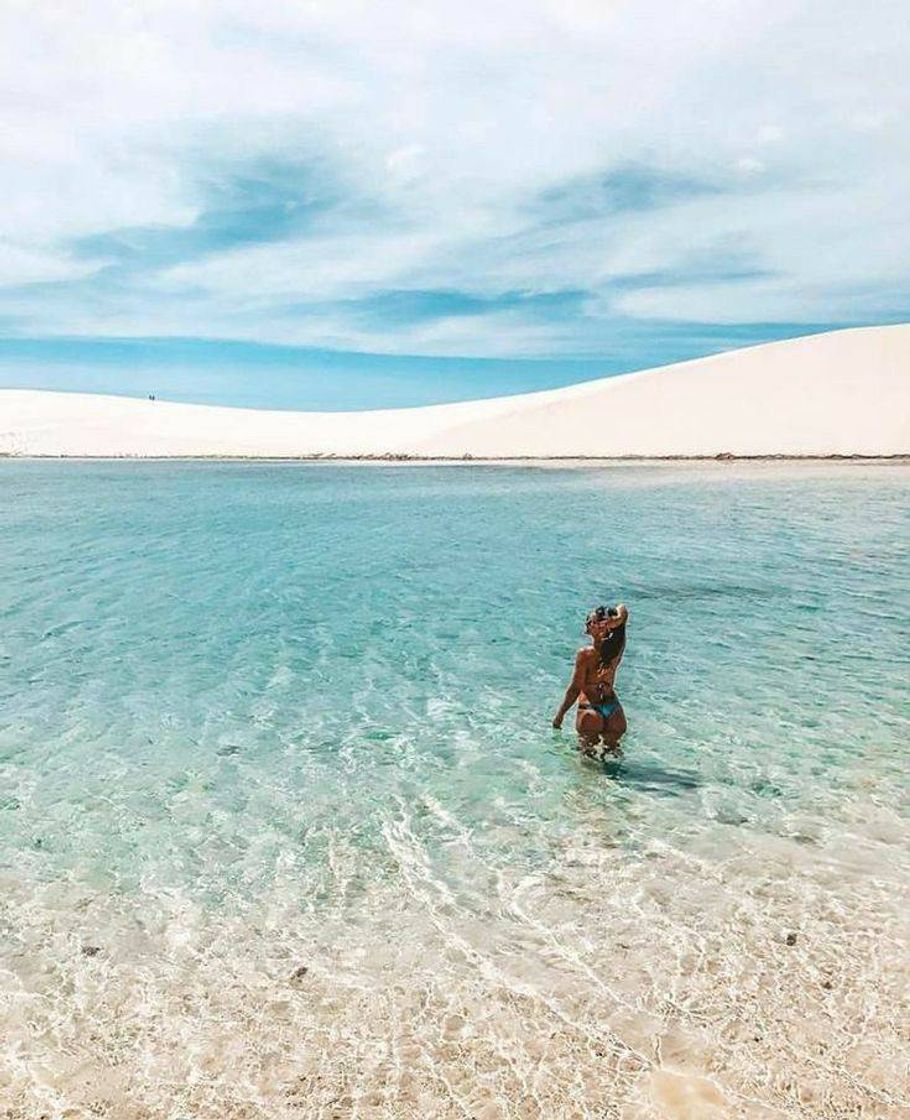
600	720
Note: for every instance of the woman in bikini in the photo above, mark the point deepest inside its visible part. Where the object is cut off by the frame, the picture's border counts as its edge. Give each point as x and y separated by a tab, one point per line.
600	718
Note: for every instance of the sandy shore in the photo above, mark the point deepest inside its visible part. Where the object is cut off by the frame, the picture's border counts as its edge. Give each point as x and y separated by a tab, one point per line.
845	393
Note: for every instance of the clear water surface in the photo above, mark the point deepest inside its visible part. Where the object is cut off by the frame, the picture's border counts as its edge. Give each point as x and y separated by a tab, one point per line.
285	830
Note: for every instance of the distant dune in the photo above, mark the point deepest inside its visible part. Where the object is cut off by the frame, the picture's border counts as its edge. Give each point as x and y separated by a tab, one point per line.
842	393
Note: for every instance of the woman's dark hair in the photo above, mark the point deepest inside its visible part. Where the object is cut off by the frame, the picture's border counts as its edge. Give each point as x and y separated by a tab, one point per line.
613	644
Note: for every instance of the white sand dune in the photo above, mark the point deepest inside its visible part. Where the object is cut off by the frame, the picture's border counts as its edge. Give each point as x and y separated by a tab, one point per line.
842	393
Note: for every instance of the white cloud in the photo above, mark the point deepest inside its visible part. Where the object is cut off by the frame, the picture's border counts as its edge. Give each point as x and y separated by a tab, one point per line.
20	265
443	127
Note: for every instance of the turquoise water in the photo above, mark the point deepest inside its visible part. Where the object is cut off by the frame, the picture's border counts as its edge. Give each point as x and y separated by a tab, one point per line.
254	716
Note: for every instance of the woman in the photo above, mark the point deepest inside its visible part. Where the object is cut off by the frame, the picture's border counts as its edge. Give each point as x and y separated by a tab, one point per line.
600	717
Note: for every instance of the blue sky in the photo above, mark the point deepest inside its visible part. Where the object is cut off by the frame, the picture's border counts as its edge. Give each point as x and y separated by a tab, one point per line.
352	205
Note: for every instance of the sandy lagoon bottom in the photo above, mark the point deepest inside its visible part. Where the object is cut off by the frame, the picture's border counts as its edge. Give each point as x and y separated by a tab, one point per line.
284	831
601	986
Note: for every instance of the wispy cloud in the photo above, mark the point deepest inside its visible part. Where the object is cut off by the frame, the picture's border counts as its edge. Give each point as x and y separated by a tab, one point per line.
252	203
514	180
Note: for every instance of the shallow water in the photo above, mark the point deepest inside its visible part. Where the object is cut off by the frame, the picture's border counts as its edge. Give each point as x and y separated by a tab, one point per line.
285	832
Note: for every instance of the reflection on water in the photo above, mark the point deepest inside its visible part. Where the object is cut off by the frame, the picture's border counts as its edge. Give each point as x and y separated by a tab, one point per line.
285	831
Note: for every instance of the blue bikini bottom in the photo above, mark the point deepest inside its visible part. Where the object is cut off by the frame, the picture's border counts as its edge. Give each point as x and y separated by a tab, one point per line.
604	710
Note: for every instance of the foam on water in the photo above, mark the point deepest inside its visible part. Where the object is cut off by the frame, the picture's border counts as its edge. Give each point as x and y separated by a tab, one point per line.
284	830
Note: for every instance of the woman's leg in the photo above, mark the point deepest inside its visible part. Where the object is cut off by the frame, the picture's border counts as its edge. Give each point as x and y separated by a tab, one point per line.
590	726
614	729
